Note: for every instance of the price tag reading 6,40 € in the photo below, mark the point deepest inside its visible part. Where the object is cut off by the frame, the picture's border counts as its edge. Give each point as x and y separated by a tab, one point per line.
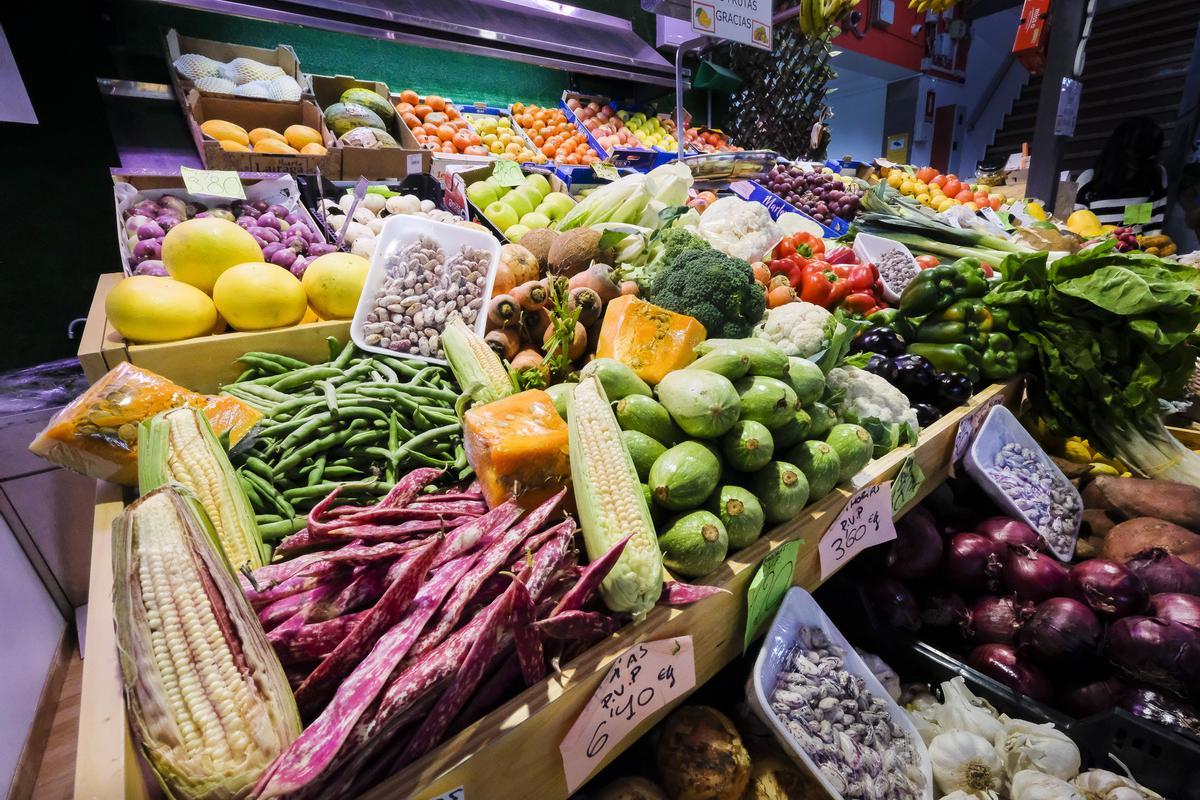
865	521
640	681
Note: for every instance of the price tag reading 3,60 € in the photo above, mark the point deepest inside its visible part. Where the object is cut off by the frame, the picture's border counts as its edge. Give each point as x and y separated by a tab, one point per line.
639	682
865	521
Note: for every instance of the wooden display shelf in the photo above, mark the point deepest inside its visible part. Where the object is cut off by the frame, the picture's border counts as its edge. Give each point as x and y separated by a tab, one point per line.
513	751
204	363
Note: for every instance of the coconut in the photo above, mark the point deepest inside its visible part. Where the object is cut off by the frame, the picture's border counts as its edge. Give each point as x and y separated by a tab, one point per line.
573	252
539	241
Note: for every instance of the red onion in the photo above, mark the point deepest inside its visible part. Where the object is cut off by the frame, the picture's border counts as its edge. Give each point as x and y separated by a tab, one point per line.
917	550
1162	572
942	609
1001	662
1033	575
971	560
1062	630
997	619
1093	697
1107	587
1176	607
1156	651
895	604
1149	703
1005	531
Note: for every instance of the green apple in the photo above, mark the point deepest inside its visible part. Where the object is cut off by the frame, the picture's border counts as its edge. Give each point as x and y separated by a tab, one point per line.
501	214
482	194
514	232
538	181
532	194
557	203
535	219
500	188
519	202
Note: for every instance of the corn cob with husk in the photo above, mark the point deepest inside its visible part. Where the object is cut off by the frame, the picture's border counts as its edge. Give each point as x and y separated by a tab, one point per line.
208	701
478	369
178	446
610	502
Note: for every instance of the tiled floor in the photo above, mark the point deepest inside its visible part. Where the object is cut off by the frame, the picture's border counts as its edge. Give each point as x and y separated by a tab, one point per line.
56	775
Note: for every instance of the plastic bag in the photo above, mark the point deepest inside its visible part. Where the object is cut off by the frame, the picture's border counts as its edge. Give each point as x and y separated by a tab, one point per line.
96	434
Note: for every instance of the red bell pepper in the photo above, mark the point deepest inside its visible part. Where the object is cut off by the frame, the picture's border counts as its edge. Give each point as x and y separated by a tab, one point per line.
862	277
860	303
841	255
815	243
817	284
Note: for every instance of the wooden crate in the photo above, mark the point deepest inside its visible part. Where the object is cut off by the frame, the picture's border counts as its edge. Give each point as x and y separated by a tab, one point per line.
201	364
523	735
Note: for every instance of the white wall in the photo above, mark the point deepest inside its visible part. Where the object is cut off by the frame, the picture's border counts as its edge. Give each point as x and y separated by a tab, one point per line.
30	629
857	126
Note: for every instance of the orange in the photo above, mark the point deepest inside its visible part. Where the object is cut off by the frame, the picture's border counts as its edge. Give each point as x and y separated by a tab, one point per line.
233	146
275	146
461	140
451	111
258	134
430	128
445	133
410	97
421	110
411	120
313	149
300	135
435	102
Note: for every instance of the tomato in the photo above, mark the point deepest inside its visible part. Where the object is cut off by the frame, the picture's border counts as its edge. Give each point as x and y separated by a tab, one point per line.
987	269
926	174
926	262
965	196
951	187
995	203
939	181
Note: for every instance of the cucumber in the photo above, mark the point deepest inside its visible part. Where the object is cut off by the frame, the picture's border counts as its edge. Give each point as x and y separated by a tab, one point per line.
853	445
793	432
820	464
617	379
782	490
683	477
645	414
694	544
823	420
740	513
748	446
769	401
731	364
643	450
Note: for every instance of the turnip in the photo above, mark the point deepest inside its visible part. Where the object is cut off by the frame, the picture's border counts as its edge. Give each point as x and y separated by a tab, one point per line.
278	210
271	249
298	266
261	206
167	221
249	223
293	218
170	201
147	208
147	249
151	267
299	229
134	222
267	234
321	248
269	220
151	230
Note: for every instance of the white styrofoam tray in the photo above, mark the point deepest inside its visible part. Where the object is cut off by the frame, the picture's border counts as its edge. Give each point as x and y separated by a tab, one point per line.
1001	428
399	230
870	248
800	610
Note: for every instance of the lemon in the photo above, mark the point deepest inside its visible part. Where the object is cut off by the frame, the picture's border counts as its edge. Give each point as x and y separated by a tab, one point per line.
947	204
895	178
333	283
256	296
923	198
971	205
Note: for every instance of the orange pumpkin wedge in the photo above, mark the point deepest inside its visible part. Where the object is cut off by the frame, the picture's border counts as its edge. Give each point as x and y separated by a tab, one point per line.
650	340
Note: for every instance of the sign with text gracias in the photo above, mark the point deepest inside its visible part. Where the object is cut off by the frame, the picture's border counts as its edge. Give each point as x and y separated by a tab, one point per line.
744	21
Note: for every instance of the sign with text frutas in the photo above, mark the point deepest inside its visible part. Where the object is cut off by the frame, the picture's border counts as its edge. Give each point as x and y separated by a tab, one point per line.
744	21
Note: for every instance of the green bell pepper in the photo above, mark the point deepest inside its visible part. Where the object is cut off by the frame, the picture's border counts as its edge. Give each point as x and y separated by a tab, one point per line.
967	321
949	357
999	361
891	318
935	289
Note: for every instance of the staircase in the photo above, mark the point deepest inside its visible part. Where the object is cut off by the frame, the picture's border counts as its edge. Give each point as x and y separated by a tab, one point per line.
1137	59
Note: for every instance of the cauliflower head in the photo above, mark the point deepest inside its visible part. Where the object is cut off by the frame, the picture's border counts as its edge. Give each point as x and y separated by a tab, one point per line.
799	329
865	396
739	228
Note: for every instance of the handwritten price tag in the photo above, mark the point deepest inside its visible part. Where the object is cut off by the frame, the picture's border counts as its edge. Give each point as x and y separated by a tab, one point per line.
508	173
967	428
213	182
908	481
453	794
1137	214
768	586
643	679
865	521
605	171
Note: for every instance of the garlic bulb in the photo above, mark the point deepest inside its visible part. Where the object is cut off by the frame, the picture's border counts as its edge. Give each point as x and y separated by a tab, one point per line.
1024	745
964	761
961	795
963	711
1100	784
1029	784
925	723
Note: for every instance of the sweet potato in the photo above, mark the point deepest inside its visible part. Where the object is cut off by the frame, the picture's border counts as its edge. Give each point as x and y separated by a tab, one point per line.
1134	497
1131	537
1096	522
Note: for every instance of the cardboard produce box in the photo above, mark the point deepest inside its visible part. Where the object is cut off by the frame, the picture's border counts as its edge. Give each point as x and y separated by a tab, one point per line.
281	56
251	114
385	162
456	180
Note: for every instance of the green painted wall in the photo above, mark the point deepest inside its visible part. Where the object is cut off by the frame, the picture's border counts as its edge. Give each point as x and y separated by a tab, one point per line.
463	77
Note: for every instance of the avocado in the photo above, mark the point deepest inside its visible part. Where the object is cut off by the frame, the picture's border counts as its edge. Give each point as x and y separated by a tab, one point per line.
820	464
684	476
694	544
748	446
740	513
853	445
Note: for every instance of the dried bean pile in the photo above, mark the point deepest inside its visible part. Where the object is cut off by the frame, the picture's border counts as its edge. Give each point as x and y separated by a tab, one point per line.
1053	508
422	289
896	269
845	729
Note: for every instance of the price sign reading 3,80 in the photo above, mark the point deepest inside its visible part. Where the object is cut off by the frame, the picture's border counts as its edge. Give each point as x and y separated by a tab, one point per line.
639	682
866	520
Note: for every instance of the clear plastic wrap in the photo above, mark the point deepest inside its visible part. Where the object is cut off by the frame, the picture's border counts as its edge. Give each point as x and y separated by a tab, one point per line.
96	434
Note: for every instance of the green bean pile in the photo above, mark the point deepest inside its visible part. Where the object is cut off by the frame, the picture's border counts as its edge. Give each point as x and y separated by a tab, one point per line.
358	420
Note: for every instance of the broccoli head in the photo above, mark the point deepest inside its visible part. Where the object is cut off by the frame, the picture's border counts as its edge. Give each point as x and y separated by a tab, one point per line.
717	290
667	244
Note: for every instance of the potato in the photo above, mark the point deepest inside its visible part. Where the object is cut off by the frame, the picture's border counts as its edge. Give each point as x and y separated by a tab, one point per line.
700	756
1133	497
1096	522
1133	536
